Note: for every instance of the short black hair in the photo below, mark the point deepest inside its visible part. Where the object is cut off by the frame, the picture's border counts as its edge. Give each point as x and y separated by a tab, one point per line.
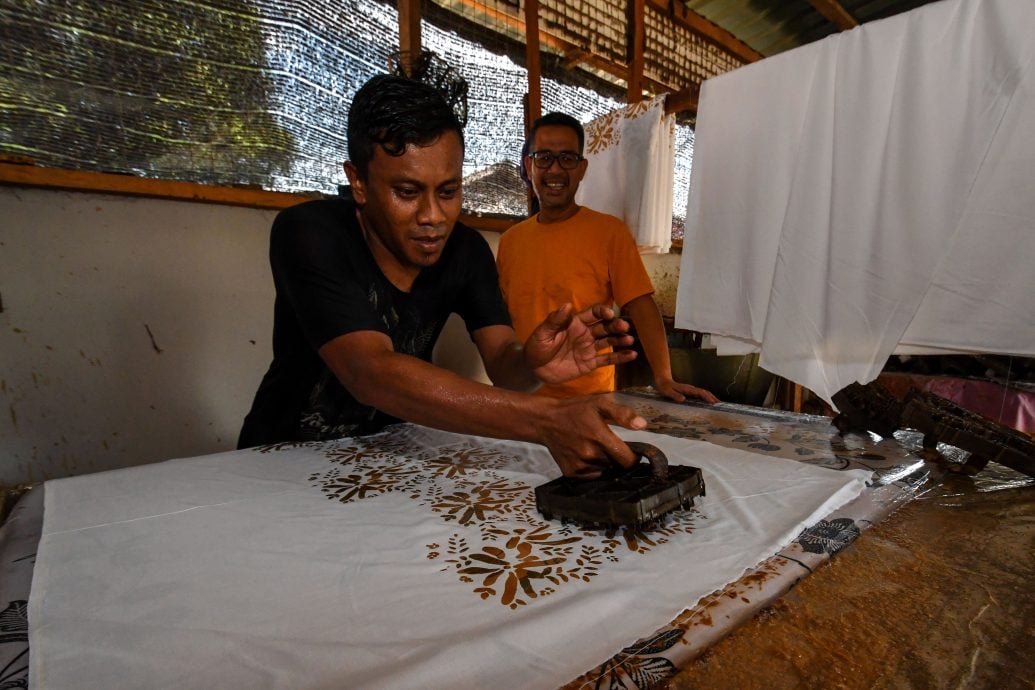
392	112
558	119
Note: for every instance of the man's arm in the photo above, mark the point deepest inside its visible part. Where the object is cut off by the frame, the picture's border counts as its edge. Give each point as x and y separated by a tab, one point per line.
574	431
644	313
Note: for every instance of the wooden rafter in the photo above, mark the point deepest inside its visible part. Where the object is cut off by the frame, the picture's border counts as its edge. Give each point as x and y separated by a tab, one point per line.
635	42
835	13
705	28
684	101
534	105
566	48
573	57
409	26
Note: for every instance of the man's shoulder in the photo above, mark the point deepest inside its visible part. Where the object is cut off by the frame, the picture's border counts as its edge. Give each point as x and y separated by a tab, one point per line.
324	208
518	231
316	220
600	219
521	225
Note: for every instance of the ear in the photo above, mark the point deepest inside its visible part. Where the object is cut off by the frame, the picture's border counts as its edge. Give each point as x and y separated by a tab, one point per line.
580	172
526	167
358	184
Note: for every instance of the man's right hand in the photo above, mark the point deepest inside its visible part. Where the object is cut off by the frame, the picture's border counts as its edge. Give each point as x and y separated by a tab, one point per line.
567	345
577	434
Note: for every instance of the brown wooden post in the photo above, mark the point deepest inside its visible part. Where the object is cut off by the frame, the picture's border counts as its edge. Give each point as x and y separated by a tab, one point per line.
635	42
535	99
409	27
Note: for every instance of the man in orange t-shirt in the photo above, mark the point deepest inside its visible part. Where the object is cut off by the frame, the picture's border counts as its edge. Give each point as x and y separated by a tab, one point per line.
569	253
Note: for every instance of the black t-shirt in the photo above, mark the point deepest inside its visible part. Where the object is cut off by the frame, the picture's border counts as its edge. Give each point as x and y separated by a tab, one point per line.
327	285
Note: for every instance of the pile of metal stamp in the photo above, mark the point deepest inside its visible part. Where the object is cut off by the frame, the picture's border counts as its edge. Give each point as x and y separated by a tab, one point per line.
872	408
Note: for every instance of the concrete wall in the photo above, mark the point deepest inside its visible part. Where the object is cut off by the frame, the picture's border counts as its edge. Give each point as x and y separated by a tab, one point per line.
136	330
132	331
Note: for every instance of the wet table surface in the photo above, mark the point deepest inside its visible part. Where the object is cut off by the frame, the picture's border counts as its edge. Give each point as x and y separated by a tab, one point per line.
940	594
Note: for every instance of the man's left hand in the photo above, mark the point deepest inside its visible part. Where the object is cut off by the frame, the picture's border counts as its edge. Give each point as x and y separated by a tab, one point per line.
679	392
566	345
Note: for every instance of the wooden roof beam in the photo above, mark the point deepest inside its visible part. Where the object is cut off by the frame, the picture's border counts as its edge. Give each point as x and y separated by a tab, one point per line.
409	26
634	45
835	13
566	48
575	56
683	101
705	28
534	104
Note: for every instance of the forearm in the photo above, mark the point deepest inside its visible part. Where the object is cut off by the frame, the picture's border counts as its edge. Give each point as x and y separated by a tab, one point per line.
650	330
419	392
575	431
509	368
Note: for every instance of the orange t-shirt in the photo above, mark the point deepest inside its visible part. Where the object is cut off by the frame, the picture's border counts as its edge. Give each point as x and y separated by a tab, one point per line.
591	258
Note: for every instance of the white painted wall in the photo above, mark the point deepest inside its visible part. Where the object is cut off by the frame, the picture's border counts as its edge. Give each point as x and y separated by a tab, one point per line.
84	277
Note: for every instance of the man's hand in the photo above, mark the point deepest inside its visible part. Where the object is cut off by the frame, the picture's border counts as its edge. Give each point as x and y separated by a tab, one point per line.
679	392
577	434
566	345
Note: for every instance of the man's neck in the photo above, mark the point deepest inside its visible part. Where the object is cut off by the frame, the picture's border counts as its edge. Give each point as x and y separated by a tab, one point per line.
547	216
397	274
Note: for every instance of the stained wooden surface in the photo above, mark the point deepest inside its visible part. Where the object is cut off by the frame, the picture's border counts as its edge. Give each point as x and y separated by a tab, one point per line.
940	594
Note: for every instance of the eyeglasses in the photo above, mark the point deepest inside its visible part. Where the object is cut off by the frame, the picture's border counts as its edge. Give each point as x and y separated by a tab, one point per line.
568	160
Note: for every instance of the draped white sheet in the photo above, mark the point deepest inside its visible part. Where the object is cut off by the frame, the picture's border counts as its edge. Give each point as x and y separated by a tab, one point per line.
631	154
868	190
410	559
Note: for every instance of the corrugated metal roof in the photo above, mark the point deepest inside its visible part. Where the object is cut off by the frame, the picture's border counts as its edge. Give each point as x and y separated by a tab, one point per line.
687	41
773	26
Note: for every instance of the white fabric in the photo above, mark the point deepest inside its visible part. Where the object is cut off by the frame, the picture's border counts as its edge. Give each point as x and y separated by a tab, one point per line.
356	563
631	154
868	190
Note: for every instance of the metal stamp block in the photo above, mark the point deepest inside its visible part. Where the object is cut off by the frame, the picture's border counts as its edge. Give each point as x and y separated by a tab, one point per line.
628	498
867	408
943	421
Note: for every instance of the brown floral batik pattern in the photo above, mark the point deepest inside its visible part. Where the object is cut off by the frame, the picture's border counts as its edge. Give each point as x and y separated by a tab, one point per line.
606	131
507	553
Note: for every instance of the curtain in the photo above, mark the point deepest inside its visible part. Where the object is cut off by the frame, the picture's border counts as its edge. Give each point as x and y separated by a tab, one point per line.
631	154
867	191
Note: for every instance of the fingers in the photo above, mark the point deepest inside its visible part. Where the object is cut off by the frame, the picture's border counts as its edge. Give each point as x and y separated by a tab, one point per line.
617	357
706	396
598	312
674	395
591	468
616	341
622	416
602	321
581	441
559	318
679	392
699	393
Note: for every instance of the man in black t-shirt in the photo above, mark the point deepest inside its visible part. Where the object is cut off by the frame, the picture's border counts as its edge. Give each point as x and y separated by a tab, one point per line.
364	287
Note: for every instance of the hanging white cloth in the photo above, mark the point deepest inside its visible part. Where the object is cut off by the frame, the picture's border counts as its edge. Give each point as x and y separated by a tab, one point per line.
869	190
631	154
